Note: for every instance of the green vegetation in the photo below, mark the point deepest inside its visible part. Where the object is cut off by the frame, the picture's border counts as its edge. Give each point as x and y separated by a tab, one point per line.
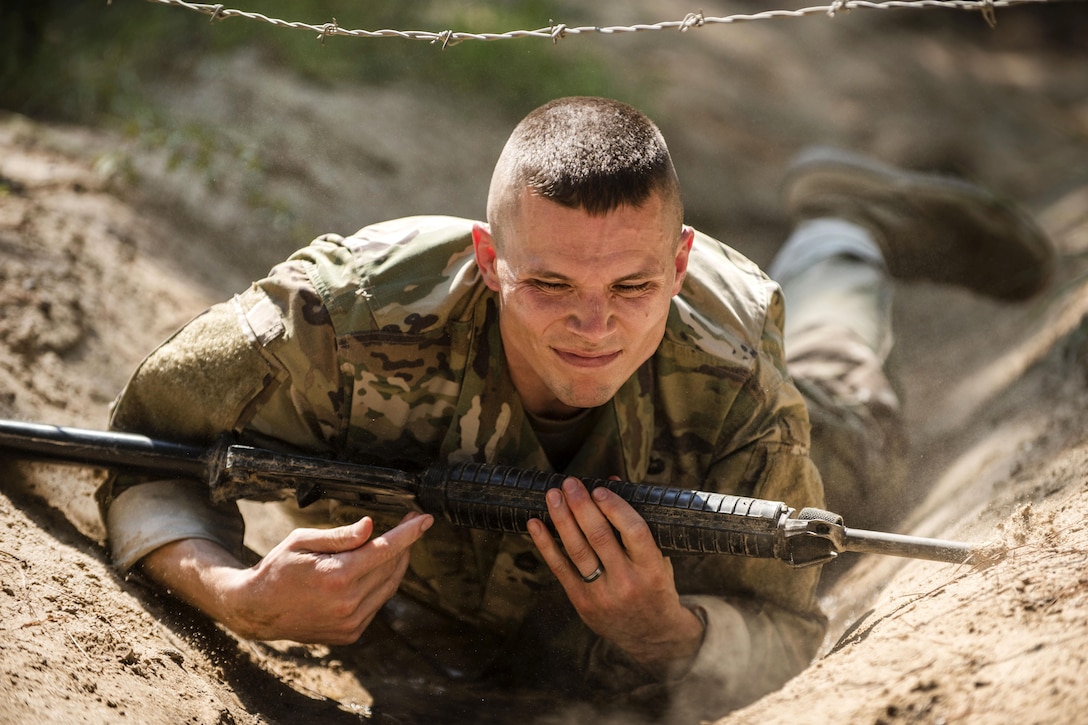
82	60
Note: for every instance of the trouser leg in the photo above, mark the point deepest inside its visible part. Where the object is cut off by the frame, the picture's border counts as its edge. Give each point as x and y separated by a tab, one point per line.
838	336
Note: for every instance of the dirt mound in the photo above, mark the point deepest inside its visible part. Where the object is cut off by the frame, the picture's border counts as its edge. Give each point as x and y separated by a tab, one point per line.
108	246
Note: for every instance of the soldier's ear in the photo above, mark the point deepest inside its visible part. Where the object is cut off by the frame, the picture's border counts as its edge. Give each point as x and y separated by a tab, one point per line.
687	236
483	245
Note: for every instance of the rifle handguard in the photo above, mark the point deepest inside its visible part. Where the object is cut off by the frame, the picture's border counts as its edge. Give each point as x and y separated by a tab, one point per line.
501	498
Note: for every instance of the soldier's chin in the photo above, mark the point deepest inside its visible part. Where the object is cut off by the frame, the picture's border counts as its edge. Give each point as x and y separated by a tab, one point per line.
591	398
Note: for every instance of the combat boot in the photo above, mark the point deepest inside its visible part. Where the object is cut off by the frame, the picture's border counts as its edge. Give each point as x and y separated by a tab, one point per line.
928	227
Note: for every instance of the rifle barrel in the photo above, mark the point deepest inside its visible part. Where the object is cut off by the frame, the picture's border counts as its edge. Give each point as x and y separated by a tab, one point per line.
116	451
915	547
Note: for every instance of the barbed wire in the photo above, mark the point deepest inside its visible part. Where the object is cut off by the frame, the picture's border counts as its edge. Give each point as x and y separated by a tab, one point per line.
557	31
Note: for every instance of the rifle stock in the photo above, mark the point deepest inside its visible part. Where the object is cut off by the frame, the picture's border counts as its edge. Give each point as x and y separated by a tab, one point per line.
476	495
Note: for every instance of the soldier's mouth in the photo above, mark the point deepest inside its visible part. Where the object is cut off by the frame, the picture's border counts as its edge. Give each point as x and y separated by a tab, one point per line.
586	360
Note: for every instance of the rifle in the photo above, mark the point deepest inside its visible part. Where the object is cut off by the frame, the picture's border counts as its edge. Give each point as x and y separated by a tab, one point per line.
476	495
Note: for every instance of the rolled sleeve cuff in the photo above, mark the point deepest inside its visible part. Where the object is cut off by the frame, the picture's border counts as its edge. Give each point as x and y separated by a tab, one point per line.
150	515
725	654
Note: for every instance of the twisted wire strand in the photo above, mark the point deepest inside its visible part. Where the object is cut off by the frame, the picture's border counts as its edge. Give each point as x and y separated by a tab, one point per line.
558	31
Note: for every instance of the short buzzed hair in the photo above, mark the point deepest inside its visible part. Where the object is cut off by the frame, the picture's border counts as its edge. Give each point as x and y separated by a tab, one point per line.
593	154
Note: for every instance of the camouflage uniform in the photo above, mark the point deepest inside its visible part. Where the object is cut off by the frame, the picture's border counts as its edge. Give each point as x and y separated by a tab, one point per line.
385	347
839	333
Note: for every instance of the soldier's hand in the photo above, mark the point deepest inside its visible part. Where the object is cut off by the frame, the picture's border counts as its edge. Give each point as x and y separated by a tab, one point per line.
633	600
317	585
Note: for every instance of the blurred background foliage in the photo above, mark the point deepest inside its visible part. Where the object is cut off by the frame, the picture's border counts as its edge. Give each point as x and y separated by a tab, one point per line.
88	60
257	132
199	124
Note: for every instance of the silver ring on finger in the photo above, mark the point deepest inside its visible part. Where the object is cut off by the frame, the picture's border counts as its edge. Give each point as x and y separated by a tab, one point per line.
594	575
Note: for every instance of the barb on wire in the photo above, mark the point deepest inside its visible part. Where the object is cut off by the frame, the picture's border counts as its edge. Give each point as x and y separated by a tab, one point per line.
836	6
557	31
692	20
445	39
327	29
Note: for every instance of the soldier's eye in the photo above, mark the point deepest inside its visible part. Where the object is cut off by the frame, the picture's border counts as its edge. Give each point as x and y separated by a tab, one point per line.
549	286
633	288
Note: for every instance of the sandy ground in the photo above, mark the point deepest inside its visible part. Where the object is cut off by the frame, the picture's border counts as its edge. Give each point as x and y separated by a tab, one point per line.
108	247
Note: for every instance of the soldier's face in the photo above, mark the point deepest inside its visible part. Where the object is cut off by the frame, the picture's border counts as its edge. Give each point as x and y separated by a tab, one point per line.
583	299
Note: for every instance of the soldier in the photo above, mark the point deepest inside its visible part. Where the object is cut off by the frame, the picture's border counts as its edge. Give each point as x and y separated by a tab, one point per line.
584	328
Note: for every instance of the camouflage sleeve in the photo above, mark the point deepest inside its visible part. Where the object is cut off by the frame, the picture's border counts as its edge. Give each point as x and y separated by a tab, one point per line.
762	621
238	367
763	624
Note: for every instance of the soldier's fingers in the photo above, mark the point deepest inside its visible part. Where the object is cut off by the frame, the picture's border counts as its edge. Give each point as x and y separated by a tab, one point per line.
333	541
373	590
596	542
554	557
384	551
584	559
638	541
408	531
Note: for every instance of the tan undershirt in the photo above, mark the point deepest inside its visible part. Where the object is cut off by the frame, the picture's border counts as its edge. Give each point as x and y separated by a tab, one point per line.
562	439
